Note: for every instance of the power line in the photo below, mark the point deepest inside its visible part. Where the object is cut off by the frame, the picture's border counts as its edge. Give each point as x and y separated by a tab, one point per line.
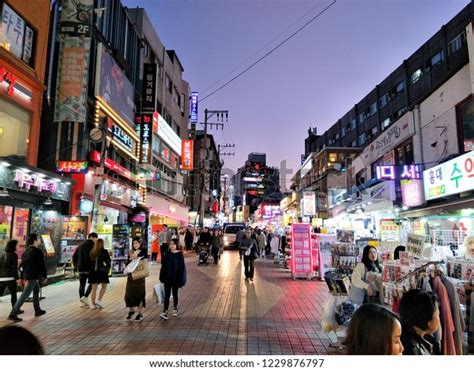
270	52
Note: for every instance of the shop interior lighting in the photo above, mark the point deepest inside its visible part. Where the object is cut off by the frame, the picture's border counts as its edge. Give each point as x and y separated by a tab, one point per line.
405	207
6	164
4	192
48	201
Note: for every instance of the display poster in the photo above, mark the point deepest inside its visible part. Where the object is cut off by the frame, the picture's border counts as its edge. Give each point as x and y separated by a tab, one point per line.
74	228
301	254
309	203
48	244
67	249
415	244
345	235
121	245
315	252
325	257
469	245
389	229
404	258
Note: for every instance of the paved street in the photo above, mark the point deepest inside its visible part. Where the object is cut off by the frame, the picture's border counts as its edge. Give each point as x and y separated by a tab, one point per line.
220	314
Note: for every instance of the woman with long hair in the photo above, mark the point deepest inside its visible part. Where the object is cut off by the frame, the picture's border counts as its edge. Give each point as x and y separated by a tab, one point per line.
367	275
135	290
99	273
9	271
374	330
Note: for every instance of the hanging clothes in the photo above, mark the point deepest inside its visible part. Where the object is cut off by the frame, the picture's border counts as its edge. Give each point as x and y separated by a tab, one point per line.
447	324
455	305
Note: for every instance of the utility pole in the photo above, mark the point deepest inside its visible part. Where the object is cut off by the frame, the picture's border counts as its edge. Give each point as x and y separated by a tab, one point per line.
221	147
204	167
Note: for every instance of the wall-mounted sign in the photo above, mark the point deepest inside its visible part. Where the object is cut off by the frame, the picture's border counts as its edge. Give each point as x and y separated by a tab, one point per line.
146	138
412	192
149	87
270	211
76	17
307	166
72	167
29	181
187	155
166	133
114	87
16	36
452	177
86	206
112	165
9	78
402	172
193	107
309	203
122	137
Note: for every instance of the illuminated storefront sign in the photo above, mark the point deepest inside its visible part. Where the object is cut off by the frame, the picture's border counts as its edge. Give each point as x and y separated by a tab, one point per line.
166	133
72	167
402	172
454	176
112	165
149	87
309	203
270	211
146	139
122	137
9	78
412	192
187	155
27	181
193	107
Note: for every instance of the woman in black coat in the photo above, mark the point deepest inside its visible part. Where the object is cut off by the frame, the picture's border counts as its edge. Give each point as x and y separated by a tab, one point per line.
173	276
9	270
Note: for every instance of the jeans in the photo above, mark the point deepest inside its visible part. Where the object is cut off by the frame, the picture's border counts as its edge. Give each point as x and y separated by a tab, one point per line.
82	285
168	289
248	264
154	255
31	285
11	287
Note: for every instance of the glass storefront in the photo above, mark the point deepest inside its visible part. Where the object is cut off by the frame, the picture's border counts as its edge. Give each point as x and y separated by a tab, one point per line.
14	129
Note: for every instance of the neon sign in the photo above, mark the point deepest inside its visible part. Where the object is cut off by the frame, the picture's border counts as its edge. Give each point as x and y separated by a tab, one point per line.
75	167
403	172
30	181
9	78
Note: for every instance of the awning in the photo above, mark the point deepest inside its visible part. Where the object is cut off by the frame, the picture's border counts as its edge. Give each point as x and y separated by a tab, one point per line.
440	208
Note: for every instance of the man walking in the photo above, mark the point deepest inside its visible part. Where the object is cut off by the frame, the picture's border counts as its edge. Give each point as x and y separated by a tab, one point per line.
34	272
238	239
82	263
165	238
250	253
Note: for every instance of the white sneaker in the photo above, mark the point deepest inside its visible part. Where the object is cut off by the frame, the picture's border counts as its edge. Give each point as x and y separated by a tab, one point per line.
83	304
92	306
99	305
84	300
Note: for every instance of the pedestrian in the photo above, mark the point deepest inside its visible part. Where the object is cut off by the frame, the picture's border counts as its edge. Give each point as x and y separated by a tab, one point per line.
260	236
82	263
173	276
197	235
99	273
374	330
181	239
250	253
34	272
215	245
397	251
188	239
367	277
18	341
238	238
165	237
9	271
135	290
419	315
275	244
155	248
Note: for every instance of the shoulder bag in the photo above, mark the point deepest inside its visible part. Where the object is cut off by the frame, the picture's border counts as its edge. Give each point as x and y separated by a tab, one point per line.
141	271
356	294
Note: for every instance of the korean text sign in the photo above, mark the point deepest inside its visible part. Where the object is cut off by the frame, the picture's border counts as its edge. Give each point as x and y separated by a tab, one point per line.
302	260
454	176
187	155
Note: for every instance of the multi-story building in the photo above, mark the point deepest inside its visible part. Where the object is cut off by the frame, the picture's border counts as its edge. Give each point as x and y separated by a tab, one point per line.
205	185
256	182
31	199
166	95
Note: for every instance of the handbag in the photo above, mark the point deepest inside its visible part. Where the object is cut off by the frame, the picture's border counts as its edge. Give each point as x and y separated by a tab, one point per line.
101	266
159	293
130	268
141	271
356	294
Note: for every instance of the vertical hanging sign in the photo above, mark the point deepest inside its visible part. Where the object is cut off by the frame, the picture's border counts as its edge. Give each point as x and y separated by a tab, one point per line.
193	107
149	87
187	155
146	138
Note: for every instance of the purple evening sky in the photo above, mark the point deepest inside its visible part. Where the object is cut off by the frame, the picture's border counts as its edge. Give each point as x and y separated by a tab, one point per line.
312	80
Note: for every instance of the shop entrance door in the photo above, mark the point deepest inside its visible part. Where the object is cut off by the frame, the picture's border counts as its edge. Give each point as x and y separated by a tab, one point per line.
5	225
20	229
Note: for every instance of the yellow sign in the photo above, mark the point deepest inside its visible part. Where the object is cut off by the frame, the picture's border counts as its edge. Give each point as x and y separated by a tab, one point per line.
104	229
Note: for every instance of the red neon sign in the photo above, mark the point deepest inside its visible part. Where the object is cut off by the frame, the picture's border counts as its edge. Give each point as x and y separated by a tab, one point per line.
8	77
112	165
72	167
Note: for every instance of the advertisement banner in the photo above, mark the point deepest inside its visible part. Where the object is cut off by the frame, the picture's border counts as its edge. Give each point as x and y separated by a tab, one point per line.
301	251
187	159
309	204
146	138
72	81
120	247
76	17
114	87
452	177
149	87
412	192
415	244
193	107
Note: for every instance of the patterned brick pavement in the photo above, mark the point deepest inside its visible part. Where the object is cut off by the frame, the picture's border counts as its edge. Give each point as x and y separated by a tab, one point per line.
220	313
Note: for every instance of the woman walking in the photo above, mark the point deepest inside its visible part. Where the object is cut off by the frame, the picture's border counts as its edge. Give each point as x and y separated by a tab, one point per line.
135	290
215	245
9	271
99	273
173	276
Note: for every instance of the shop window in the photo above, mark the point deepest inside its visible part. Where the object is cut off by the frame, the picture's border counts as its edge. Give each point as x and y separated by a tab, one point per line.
14	129
333	157
20	229
6	213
